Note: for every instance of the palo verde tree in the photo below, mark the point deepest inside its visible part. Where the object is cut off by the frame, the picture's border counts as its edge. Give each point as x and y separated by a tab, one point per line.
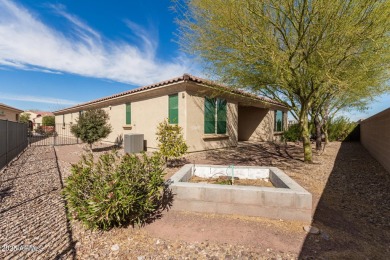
293	51
92	126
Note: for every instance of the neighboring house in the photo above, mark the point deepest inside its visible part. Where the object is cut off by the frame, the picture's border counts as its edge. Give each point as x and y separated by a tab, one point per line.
211	115
9	113
37	116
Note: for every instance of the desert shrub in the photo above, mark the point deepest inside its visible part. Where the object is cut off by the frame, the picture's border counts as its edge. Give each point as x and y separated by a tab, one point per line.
115	191
24	117
339	128
48	121
92	126
40	130
171	143
292	134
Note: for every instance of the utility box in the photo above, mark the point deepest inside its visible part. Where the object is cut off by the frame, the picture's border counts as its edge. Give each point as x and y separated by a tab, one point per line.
134	143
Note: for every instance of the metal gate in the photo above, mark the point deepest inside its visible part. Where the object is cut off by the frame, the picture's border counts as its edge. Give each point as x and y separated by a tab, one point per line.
58	134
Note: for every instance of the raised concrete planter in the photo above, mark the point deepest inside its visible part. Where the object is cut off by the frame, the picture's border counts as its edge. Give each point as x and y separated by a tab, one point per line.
286	200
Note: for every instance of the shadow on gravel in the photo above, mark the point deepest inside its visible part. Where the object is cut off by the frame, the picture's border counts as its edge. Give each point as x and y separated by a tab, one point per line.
354	210
264	153
33	222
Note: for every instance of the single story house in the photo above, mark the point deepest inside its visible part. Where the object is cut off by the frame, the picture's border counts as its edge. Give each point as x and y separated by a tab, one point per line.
211	115
9	113
37	116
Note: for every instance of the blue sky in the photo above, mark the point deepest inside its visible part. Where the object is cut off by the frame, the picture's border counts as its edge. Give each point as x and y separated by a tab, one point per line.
54	54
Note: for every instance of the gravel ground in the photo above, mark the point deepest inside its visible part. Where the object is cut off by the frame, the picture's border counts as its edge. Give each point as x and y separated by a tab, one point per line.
350	198
33	223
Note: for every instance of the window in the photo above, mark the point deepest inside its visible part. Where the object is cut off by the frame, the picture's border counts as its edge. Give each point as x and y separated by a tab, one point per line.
173	113
278	124
214	116
128	113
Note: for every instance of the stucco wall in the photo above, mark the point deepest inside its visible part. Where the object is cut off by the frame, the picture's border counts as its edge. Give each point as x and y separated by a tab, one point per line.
255	124
150	107
375	137
145	116
196	139
6	114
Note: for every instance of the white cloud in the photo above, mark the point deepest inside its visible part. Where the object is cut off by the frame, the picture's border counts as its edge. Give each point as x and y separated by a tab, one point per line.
40	99
27	43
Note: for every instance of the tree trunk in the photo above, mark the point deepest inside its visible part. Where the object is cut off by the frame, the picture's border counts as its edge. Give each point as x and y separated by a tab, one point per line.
325	120
317	125
325	130
307	153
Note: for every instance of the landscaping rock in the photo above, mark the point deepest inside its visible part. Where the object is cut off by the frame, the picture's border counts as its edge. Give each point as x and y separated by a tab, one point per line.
115	247
311	230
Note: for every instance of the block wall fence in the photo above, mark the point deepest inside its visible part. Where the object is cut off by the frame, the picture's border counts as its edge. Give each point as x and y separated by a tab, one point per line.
375	137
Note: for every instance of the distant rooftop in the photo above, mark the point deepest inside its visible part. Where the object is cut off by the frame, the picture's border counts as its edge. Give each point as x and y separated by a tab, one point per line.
2	105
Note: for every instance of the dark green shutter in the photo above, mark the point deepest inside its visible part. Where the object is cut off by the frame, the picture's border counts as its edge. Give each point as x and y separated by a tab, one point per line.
209	115
221	116
173	113
128	113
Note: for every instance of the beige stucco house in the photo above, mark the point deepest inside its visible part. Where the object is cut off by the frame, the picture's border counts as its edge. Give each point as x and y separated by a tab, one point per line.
37	116
9	113
211	115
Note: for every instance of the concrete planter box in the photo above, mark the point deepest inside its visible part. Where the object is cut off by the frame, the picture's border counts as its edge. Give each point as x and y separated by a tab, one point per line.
286	200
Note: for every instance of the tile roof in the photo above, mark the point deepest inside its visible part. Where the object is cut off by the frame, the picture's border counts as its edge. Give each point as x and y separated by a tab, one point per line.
9	107
184	77
40	113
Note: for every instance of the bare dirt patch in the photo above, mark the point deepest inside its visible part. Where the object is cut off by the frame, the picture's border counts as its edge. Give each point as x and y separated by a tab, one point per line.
225	180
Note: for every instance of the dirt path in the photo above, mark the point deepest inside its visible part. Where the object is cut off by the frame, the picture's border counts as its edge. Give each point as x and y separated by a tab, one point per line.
33	223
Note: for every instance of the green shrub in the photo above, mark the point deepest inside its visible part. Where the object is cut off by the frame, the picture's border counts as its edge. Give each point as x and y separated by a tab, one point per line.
91	126
115	191
48	121
339	128
170	139
292	134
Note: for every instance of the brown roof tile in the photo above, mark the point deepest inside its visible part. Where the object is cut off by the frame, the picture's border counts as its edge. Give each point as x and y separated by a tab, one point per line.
184	77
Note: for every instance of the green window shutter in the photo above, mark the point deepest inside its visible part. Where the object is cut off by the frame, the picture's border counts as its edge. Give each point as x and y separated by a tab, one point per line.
209	115
221	116
128	113
173	113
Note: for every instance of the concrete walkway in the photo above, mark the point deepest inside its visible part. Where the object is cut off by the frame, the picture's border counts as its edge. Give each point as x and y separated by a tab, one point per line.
33	223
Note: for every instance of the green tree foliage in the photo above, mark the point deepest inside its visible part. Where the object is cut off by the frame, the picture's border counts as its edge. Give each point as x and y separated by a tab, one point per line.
171	143
92	126
24	117
115	191
340	128
292	134
295	52
48	121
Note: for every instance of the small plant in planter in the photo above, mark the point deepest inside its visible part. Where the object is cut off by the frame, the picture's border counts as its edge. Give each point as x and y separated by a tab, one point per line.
116	191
